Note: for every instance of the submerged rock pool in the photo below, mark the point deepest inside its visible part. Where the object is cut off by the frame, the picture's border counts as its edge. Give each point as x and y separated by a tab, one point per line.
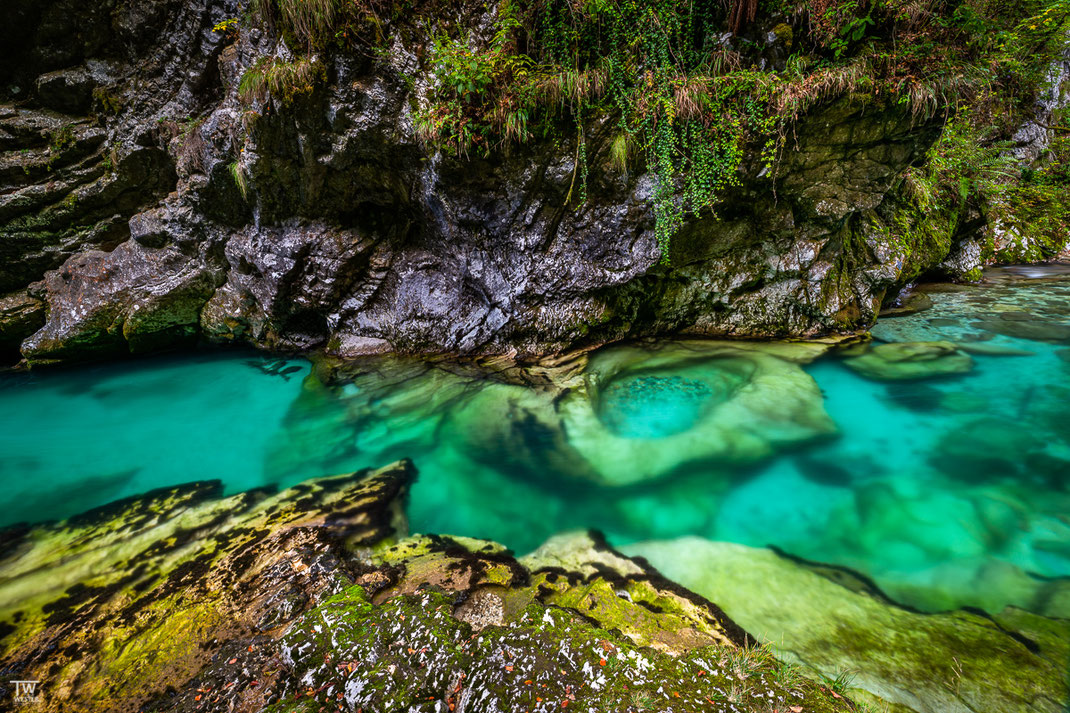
946	491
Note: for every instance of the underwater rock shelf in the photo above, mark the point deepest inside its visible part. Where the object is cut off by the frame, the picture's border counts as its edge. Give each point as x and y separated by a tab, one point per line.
621	416
832	620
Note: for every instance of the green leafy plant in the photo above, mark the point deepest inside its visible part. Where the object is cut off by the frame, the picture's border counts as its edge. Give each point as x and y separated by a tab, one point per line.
686	112
653	85
228	28
106	101
852	27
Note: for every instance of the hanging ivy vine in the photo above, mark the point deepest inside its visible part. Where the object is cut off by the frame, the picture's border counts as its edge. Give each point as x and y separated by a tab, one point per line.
655	66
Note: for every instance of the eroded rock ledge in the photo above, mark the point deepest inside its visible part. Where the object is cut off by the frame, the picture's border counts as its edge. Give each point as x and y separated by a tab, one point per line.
123	229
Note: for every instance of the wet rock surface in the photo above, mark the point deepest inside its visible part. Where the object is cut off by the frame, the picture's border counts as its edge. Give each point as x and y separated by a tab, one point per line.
21	314
346	234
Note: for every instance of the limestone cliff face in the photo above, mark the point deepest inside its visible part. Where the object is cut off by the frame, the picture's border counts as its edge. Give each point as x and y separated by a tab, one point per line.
142	206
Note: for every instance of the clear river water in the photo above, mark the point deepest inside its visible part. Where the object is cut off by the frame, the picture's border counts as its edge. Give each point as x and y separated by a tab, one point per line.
948	490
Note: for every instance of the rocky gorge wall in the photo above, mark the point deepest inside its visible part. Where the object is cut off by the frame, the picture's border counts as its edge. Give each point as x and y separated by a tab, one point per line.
144	205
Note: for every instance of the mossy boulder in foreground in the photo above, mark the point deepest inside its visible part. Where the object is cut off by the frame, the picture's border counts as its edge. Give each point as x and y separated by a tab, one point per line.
412	653
306	600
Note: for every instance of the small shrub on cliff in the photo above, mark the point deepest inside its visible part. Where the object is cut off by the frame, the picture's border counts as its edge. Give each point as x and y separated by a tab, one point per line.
240	181
283	80
227	28
311	25
309	20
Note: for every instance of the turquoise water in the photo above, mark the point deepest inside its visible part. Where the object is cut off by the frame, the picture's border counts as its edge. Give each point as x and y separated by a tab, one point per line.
654	406
70	440
947	491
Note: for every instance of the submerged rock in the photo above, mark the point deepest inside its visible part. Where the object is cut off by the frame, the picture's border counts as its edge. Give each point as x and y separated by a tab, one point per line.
989	349
1033	330
911	360
835	621
640	413
980	447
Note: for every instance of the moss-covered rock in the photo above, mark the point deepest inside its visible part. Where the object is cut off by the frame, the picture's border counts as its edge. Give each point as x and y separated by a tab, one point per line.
184	601
410	653
116	605
836	622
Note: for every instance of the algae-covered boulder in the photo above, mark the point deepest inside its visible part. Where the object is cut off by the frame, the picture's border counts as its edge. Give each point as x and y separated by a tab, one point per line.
460	625
116	605
835	622
410	653
911	360
306	600
575	571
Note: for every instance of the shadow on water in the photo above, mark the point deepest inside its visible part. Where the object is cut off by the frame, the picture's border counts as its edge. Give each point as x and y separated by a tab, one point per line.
35	504
824	472
273	366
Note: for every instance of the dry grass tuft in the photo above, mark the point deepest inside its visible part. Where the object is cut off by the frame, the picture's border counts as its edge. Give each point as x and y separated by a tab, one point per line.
282	80
796	97
691	95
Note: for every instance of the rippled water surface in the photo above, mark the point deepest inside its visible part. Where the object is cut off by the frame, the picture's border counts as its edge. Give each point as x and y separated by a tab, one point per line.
947	490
